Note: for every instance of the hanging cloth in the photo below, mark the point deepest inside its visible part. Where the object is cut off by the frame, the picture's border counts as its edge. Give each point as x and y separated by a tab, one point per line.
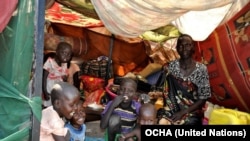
6	10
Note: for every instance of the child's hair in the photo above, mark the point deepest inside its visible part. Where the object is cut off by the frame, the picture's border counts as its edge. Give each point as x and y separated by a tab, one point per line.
63	45
148	106
130	80
147	114
63	89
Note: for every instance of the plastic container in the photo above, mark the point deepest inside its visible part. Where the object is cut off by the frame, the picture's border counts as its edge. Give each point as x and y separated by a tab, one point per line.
111	94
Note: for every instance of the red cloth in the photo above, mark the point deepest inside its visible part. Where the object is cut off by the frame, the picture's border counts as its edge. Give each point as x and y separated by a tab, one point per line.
6	10
91	84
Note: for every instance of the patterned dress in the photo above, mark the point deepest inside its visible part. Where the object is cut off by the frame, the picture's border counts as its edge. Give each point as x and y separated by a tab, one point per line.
181	92
128	116
56	73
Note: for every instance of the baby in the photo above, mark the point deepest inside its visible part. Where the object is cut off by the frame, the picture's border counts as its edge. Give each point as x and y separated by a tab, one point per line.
55	69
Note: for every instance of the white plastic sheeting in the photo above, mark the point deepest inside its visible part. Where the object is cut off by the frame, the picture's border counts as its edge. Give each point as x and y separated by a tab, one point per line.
198	18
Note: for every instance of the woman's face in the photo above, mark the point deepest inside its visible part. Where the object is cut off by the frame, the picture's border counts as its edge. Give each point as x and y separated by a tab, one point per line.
185	48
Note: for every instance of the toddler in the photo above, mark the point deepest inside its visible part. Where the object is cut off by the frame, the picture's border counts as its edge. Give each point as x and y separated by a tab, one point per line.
55	70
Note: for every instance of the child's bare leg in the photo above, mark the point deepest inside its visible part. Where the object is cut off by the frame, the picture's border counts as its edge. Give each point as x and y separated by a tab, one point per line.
114	126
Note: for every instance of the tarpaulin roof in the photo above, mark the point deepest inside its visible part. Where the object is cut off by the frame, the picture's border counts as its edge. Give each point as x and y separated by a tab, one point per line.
197	18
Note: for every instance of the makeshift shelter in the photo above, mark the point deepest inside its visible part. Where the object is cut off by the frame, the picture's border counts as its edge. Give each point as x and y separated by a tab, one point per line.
223	45
214	36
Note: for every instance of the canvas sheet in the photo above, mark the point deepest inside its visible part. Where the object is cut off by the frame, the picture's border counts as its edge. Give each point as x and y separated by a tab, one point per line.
126	56
133	18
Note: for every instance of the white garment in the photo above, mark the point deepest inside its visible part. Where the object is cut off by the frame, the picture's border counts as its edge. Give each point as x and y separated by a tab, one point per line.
56	73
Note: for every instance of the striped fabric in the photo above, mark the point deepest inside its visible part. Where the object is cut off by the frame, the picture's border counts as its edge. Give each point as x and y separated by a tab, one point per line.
128	116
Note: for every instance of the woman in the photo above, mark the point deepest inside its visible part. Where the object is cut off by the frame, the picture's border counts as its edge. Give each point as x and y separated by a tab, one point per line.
187	86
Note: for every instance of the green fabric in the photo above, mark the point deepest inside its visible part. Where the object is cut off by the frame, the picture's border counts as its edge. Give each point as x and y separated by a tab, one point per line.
15	111
161	34
18	43
16	53
82	6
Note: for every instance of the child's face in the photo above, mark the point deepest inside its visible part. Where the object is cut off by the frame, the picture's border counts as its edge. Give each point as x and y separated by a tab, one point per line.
64	55
67	107
79	116
128	90
147	118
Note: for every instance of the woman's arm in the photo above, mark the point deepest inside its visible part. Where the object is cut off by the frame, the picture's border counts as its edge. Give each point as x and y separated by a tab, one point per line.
197	105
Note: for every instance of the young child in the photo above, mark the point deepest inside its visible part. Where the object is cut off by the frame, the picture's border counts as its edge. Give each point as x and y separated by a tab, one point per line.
64	98
147	116
56	70
120	115
76	125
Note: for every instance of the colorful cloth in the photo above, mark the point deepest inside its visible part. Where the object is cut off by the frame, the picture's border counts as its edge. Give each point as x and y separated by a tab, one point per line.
76	134
59	13
51	123
182	92
56	72
199	77
128	116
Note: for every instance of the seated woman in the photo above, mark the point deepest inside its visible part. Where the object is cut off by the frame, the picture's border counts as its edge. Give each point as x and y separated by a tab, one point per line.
188	85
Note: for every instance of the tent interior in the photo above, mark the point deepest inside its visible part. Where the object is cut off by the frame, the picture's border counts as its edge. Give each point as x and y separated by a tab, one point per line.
220	28
133	34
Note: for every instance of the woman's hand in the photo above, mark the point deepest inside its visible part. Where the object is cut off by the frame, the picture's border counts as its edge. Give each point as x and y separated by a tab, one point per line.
178	115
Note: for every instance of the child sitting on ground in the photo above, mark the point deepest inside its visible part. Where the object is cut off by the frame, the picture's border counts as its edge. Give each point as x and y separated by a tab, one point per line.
55	69
120	114
147	116
64	98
